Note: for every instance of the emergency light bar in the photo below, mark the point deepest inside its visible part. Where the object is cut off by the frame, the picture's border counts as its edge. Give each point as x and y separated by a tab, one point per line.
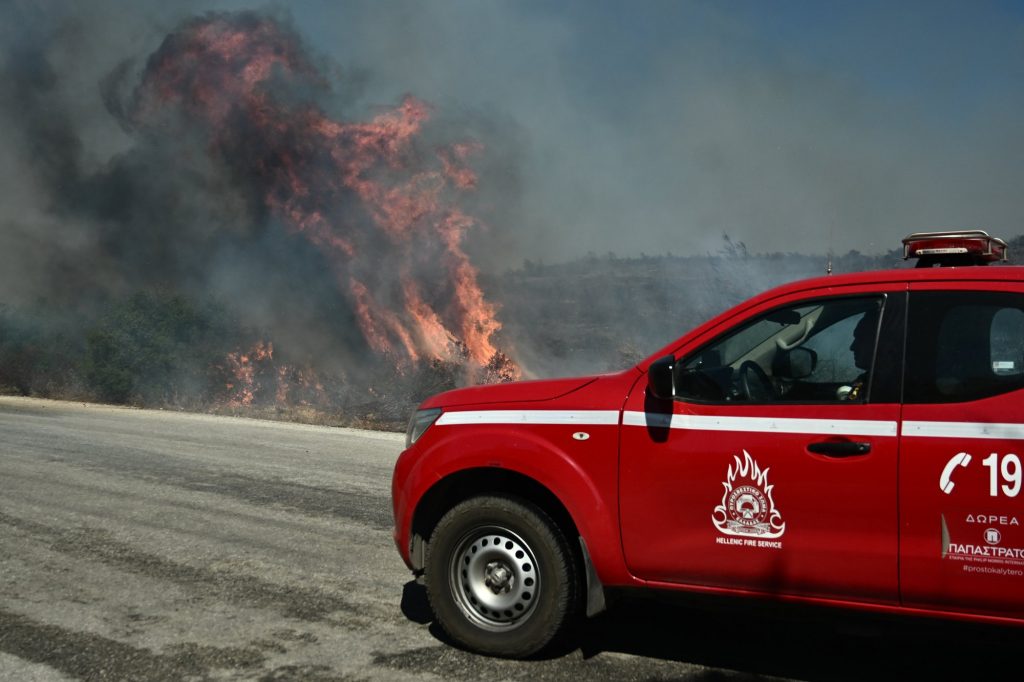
968	247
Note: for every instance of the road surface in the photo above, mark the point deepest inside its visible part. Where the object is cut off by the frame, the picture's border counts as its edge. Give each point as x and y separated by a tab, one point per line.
152	545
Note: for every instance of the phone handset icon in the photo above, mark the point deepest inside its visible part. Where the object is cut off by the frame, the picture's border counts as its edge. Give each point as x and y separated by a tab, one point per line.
946	479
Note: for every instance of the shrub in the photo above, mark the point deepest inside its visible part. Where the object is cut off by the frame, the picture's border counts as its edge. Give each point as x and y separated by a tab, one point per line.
157	349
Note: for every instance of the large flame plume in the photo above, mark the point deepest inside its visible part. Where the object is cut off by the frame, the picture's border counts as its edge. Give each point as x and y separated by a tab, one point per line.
383	209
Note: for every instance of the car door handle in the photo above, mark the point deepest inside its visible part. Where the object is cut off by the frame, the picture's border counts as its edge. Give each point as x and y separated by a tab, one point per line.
842	448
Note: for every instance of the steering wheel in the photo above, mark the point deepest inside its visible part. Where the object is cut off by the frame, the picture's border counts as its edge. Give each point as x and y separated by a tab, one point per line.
756	385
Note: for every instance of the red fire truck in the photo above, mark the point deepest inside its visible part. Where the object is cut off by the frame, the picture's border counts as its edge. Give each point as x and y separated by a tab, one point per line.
849	440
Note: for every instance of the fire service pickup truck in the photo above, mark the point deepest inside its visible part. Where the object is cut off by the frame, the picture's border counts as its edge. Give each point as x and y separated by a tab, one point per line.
850	440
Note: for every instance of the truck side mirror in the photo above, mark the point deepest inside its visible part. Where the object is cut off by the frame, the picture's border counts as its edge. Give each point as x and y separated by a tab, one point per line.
659	377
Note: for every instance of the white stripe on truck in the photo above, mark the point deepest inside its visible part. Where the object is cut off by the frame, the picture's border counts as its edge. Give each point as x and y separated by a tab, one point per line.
693	422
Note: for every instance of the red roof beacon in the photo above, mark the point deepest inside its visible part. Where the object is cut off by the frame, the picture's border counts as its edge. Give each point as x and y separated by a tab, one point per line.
967	247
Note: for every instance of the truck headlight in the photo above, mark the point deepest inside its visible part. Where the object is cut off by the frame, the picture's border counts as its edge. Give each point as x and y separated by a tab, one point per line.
420	422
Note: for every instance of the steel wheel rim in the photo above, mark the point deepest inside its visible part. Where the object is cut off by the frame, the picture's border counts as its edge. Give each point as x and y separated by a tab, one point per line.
494	578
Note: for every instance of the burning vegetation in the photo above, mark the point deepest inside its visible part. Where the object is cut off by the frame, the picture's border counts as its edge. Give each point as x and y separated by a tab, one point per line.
383	210
334	247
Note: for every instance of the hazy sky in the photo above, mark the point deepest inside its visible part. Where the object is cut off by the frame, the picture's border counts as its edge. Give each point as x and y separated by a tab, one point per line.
658	126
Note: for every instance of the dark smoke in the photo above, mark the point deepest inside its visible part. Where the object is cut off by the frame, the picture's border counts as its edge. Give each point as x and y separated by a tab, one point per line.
210	194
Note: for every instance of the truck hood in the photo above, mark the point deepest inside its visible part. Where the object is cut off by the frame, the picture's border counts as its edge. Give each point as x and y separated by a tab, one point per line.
519	391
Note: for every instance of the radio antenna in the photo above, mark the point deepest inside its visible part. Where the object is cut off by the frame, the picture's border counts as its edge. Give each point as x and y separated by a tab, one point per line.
831	233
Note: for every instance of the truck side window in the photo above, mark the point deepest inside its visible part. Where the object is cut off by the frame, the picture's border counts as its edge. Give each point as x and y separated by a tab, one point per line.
815	351
1007	342
964	345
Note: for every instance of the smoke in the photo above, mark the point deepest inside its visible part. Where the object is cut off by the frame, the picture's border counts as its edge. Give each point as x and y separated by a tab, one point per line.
589	127
247	177
659	126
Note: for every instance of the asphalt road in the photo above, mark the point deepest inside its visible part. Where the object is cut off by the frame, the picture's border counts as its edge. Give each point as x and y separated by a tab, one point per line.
149	545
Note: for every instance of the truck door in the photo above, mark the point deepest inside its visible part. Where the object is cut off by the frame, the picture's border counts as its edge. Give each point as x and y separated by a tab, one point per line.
774	468
962	445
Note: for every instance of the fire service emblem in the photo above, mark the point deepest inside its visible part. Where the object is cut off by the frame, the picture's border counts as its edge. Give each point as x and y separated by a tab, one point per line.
747	508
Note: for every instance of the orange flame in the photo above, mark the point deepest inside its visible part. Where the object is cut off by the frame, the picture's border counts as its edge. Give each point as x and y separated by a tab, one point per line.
254	375
242	367
380	209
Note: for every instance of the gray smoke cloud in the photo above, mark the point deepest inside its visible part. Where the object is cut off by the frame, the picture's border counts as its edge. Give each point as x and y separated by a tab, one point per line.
107	198
659	126
608	127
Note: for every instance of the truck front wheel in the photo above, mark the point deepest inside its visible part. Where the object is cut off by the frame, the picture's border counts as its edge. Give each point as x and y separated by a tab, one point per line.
500	578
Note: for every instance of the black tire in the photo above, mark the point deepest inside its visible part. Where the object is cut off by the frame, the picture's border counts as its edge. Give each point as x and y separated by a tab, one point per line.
500	577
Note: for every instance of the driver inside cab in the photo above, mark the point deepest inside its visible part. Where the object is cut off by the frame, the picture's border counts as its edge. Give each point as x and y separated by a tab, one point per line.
862	347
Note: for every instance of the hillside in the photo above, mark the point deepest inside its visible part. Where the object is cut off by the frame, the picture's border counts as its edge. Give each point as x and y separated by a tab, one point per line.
603	313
